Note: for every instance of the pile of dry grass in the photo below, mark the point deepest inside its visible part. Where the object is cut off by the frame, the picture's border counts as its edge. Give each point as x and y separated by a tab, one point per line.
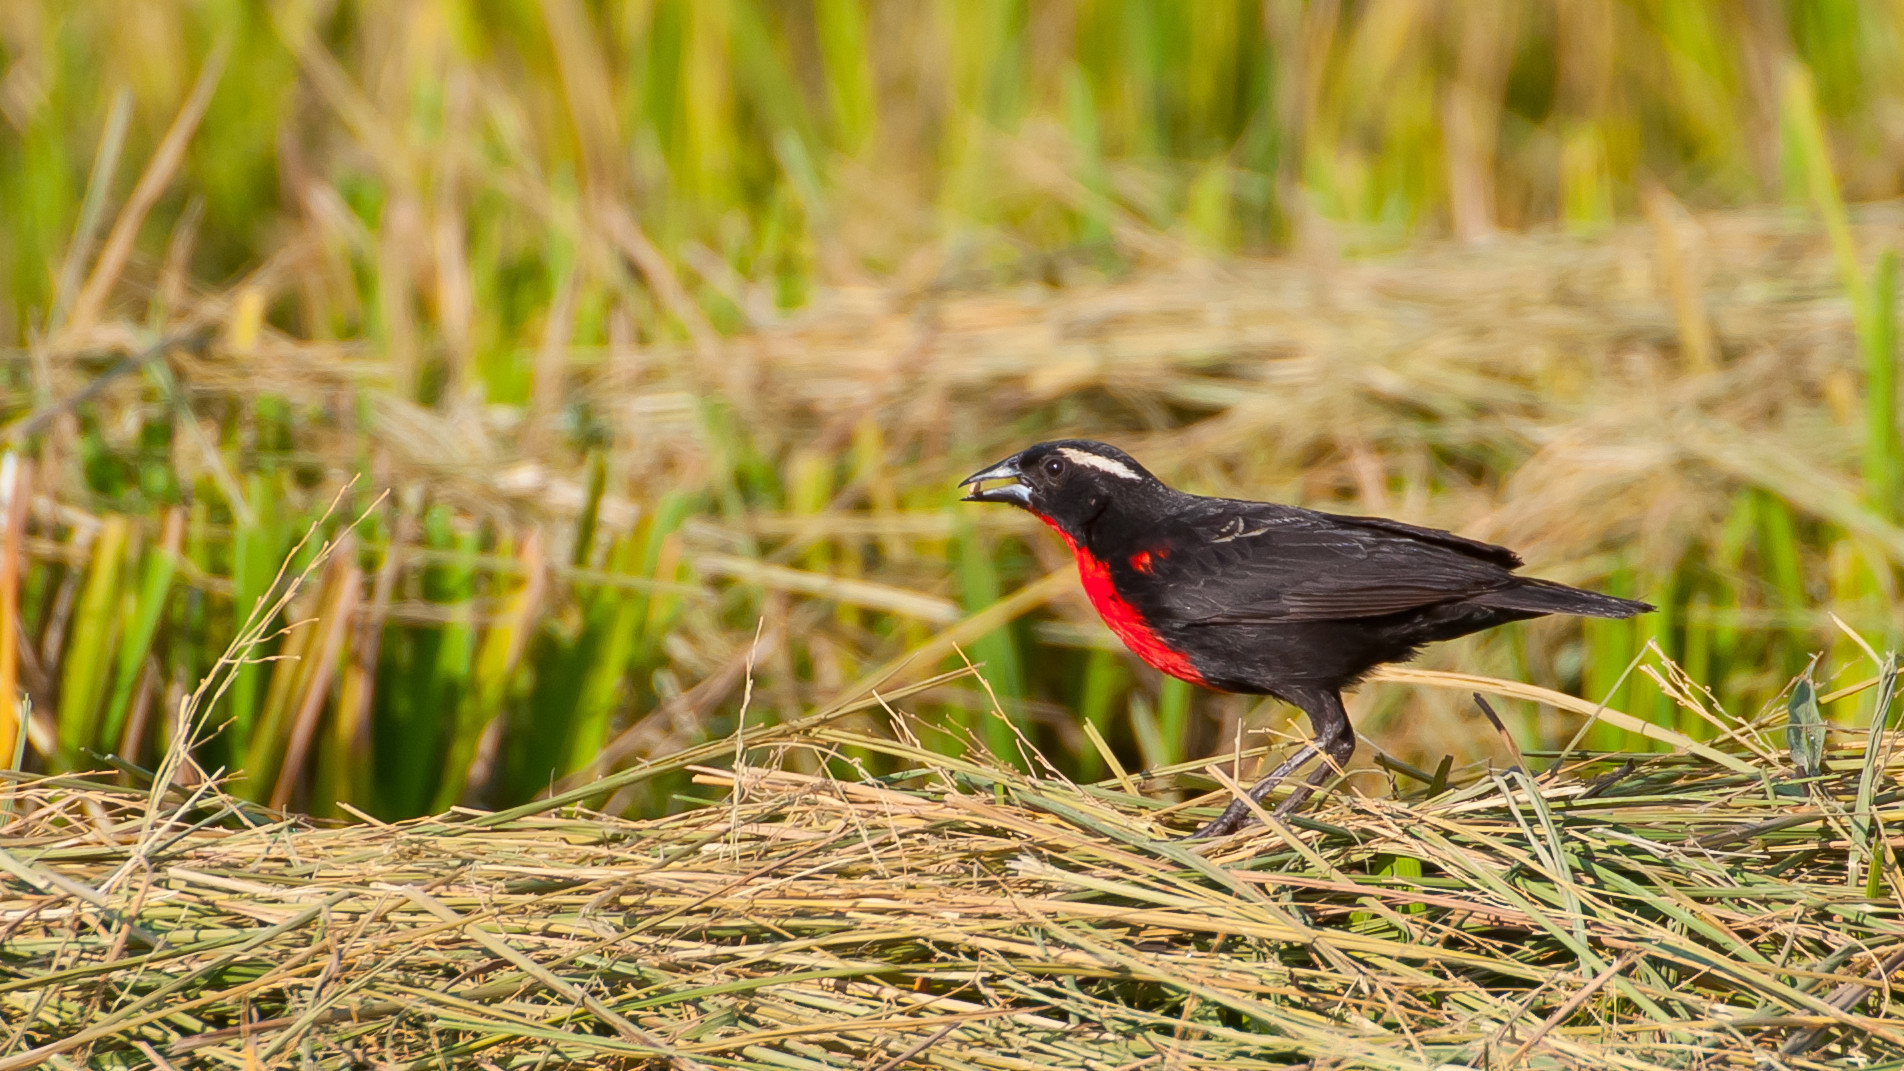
1668	911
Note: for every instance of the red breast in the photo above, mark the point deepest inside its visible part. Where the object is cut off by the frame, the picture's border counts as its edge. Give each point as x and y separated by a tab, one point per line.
1121	616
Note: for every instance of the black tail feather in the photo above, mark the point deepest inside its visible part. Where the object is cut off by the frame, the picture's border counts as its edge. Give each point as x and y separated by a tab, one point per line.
1546	597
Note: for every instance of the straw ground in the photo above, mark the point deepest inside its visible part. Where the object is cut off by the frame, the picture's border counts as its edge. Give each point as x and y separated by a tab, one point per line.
1667	911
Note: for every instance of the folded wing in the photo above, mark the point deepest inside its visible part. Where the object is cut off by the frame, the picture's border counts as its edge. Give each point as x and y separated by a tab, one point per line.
1253	563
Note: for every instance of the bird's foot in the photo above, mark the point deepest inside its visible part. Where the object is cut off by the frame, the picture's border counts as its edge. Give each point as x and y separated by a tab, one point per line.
1239	813
1216	827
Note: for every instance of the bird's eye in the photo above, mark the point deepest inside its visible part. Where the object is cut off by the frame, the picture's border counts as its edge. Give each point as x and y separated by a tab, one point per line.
1054	466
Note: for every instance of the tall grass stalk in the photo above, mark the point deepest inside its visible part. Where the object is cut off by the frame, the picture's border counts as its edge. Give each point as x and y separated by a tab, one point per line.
1873	296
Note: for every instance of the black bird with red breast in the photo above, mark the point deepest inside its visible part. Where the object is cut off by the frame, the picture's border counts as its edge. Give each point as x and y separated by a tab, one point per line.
1266	599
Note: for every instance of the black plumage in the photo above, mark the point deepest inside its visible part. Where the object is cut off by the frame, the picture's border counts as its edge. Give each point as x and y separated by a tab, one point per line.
1266	599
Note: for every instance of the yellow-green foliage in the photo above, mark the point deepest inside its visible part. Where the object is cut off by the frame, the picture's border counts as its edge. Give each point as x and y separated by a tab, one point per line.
668	325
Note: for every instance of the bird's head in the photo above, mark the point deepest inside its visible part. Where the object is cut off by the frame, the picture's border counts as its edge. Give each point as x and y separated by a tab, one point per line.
1067	482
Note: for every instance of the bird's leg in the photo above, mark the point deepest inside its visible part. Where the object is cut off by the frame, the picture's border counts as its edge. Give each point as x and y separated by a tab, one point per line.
1338	750
1237	814
1335	737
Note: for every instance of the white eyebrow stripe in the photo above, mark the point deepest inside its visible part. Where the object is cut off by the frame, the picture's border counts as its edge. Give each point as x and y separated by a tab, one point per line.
1102	464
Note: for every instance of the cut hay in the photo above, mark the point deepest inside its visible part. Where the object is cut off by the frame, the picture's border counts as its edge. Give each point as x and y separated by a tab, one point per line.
1631	912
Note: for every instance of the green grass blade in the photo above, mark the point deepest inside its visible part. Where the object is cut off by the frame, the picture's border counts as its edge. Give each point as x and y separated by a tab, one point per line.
255	554
423	683
494	671
1810	155
1883	445
841	28
1105	680
615	626
155	587
96	624
979	587
1867	849
1804	730
1173	718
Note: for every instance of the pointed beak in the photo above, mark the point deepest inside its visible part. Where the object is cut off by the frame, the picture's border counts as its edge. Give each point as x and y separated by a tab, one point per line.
1015	493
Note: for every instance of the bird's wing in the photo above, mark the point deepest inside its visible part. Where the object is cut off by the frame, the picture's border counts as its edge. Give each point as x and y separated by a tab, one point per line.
1249	562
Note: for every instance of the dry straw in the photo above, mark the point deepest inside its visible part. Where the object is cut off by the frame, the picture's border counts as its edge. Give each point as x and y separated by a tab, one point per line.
1669	912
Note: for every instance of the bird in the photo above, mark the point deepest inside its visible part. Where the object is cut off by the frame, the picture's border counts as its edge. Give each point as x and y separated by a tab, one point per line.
1259	598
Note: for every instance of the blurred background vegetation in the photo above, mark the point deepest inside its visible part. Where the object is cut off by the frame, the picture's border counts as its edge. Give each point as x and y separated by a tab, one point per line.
668	324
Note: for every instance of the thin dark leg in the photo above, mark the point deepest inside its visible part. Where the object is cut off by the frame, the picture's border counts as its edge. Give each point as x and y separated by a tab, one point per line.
1334	738
1238	812
1339	750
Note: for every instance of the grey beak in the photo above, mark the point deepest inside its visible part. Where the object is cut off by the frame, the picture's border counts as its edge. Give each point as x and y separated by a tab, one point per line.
1015	493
